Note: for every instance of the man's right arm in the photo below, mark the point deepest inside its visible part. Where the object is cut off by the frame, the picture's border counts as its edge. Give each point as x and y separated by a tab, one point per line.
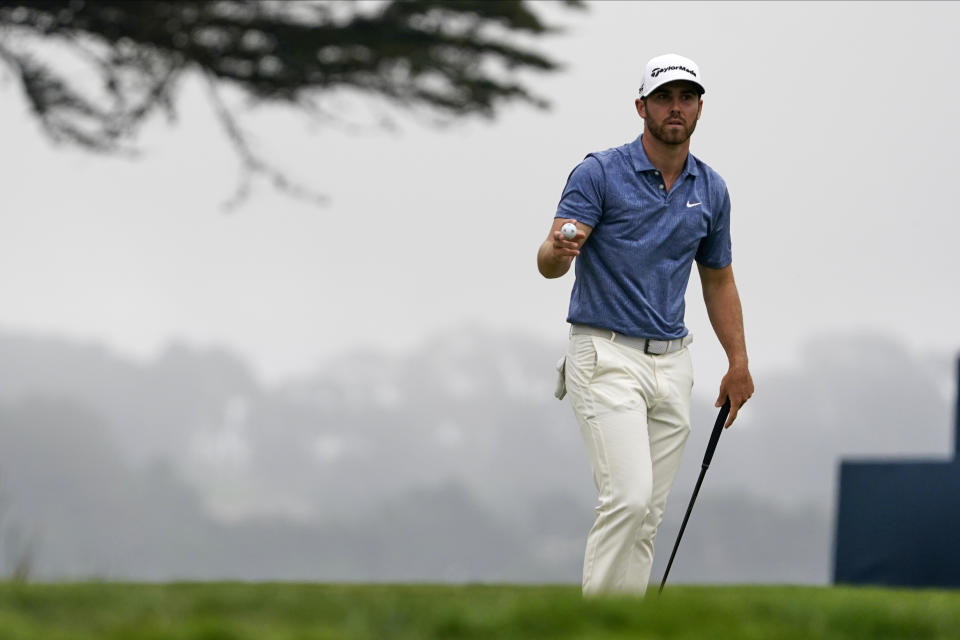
556	254
582	197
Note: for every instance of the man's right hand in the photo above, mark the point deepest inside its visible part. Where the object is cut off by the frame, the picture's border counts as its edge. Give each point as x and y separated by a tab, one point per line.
556	254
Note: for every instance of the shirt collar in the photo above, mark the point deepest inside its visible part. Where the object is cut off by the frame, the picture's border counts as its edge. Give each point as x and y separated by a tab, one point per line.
642	163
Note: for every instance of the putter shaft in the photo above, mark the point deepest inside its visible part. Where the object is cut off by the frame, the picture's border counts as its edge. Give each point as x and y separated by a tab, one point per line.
707	458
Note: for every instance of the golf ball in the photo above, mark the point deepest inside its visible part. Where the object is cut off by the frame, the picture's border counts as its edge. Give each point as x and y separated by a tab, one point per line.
569	230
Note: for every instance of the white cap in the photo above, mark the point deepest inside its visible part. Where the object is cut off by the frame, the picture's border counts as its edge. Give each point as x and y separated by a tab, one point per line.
667	68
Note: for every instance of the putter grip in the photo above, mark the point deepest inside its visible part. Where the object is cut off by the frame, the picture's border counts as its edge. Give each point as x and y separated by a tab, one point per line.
715	435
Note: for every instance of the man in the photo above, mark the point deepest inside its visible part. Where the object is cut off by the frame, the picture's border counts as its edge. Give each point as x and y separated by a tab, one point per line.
644	212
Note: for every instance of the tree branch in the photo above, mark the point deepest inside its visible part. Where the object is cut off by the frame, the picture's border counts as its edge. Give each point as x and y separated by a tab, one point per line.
450	57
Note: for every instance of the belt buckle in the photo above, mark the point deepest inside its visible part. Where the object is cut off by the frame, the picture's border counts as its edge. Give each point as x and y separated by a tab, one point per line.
646	347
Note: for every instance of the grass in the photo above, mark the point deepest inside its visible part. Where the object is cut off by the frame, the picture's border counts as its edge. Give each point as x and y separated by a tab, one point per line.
287	611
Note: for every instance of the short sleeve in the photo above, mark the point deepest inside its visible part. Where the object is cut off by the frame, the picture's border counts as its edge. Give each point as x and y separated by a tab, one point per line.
582	197
715	251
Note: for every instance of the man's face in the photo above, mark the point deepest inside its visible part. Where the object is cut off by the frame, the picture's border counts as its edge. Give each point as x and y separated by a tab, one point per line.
671	111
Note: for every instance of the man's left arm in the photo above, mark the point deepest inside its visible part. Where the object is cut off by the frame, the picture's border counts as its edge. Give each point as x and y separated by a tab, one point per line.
726	315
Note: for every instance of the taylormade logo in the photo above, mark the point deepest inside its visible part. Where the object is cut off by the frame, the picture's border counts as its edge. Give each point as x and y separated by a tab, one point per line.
658	70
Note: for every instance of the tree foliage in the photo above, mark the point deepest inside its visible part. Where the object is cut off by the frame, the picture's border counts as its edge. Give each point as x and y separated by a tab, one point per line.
94	71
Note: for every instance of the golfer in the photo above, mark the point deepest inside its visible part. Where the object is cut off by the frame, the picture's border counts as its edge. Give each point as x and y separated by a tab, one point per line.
644	212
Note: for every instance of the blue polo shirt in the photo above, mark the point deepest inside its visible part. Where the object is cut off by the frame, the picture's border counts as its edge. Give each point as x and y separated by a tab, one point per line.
633	270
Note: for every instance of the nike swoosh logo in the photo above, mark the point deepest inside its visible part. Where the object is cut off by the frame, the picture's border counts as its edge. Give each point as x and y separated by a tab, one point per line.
695	204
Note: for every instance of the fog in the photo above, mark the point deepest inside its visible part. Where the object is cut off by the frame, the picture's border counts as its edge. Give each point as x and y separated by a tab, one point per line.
469	469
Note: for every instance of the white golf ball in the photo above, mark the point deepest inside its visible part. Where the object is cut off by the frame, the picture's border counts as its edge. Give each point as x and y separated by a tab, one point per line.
569	230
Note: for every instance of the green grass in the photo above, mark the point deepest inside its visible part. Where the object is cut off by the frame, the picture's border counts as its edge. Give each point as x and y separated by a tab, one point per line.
286	611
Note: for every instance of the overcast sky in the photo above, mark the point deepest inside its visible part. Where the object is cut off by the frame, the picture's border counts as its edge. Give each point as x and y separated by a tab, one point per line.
833	124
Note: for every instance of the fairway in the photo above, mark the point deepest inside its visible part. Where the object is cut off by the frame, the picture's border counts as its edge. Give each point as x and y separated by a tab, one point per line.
282	611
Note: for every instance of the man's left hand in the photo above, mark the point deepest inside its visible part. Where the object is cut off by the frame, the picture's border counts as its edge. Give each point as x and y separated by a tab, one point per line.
738	386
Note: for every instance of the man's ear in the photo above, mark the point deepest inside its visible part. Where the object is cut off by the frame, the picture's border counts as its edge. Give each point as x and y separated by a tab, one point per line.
642	108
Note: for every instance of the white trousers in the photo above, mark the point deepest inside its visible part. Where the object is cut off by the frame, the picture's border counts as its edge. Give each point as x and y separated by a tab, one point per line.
634	415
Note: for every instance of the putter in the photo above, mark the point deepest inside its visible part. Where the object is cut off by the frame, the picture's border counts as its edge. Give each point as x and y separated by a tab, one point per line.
708	456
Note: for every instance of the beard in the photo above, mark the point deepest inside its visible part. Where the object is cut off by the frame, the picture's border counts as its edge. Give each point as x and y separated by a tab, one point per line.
671	135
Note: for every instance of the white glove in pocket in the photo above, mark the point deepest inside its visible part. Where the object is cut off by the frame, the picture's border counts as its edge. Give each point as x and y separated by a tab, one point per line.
561	389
